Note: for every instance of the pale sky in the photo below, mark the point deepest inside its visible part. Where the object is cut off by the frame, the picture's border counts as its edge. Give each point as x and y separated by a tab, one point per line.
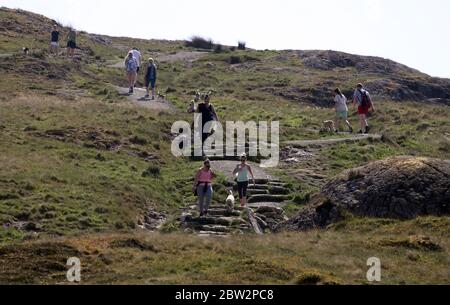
413	32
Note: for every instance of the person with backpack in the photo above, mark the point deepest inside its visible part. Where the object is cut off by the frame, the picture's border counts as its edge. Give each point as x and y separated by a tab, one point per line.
364	101
243	171
203	187
208	114
71	43
130	68
340	104
137	57
150	78
54	42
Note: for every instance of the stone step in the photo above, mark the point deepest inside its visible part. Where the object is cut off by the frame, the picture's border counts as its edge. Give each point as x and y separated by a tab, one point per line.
211	234
277	183
252	192
214	228
267	198
256	205
237	208
224	221
278	190
223	212
258	187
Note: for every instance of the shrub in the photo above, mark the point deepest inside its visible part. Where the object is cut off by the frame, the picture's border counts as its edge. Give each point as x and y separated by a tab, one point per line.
232	60
200	43
241	45
152	171
218	48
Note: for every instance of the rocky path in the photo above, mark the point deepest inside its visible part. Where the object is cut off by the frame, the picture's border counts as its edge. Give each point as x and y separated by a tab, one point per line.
266	199
138	98
324	142
186	56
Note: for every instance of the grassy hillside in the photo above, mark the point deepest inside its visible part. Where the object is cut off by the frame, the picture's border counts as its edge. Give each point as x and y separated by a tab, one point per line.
81	165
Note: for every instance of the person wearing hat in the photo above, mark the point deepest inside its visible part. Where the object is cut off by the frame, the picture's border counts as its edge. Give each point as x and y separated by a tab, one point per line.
150	78
243	171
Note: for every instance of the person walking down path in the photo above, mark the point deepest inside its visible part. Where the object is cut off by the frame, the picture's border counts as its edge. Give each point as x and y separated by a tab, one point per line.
137	57
131	68
150	78
203	187
340	102
71	43
208	114
243	171
364	101
54	42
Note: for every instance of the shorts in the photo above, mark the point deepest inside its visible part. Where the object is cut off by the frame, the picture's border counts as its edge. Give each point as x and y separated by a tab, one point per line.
363	110
54	44
342	114
151	82
71	45
242	189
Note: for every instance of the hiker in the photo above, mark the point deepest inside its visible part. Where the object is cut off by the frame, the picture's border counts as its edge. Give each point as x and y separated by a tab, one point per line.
150	78
208	114
137	57
71	43
243	171
54	42
203	187
340	103
364	101
131	68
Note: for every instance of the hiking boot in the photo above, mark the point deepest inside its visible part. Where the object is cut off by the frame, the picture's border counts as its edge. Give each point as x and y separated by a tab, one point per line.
361	132
153	98
367	129
147	96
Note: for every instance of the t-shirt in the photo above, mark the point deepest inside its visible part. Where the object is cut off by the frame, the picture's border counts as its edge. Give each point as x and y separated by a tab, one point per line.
72	37
207	113
358	96
137	57
243	174
55	36
341	103
205	176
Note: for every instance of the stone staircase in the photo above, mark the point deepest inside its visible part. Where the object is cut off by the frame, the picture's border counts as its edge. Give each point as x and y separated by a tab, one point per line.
264	212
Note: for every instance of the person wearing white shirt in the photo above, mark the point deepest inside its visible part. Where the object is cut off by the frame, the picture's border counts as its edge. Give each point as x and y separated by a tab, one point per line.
137	58
340	102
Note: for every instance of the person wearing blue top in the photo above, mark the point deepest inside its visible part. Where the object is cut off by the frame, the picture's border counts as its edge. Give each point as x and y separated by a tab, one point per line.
243	171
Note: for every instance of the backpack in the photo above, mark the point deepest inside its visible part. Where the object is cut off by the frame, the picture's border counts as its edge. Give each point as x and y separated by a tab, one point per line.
365	101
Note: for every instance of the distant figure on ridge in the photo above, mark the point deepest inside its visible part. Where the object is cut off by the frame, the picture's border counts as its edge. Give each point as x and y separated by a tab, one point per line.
54	42
203	187
340	103
137	56
243	171
71	43
131	68
150	78
364	101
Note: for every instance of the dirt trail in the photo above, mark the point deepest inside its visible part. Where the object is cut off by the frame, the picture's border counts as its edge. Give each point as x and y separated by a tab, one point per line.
138	98
188	56
324	142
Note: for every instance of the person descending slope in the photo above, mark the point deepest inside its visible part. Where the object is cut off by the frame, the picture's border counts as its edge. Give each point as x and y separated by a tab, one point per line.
340	102
150	78
131	68
243	171
203	187
208	114
364	101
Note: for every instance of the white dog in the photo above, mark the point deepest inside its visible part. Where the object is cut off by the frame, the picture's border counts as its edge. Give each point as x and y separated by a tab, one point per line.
230	201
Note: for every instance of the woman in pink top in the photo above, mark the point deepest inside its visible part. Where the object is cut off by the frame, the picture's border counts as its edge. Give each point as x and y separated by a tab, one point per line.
203	187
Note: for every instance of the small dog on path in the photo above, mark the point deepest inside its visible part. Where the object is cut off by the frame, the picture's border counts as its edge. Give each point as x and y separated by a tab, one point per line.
328	126
230	201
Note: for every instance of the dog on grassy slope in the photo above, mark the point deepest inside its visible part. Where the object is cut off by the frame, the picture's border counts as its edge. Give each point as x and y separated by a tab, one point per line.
328	126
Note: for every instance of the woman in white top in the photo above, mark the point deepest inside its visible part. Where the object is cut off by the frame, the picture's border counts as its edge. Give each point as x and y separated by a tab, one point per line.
340	102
